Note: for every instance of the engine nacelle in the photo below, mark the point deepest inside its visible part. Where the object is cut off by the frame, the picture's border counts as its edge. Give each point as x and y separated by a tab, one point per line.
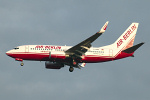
50	65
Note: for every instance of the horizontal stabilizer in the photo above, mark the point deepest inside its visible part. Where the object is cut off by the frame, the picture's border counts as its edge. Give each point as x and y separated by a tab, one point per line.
83	64
134	48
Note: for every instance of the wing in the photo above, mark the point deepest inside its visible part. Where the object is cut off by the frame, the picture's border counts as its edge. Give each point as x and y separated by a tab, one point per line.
80	49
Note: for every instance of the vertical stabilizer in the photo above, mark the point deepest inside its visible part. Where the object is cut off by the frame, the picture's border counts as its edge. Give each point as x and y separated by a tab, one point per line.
126	40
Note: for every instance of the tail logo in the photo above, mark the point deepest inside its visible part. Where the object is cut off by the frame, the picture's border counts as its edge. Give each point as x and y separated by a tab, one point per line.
126	35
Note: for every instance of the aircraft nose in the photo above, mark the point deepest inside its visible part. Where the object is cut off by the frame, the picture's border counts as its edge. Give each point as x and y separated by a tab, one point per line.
8	53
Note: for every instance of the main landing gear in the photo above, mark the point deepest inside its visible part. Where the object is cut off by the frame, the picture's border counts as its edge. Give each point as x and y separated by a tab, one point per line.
74	64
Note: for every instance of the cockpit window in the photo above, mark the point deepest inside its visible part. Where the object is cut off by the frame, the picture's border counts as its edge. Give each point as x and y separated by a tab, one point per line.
16	48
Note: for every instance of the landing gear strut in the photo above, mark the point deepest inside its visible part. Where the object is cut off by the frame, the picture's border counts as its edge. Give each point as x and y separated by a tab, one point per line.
71	69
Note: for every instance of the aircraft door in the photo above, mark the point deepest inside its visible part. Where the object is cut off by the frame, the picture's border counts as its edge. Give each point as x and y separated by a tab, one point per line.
26	48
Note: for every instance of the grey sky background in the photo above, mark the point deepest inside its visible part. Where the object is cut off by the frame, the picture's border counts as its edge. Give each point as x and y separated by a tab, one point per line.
68	22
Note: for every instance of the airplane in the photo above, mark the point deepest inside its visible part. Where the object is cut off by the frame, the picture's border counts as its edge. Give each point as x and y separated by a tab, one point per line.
56	57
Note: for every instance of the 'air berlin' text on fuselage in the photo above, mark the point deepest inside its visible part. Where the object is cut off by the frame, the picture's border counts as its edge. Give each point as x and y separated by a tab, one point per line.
48	47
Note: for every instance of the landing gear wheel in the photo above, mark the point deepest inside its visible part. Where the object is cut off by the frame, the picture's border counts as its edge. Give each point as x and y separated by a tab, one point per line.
22	64
71	69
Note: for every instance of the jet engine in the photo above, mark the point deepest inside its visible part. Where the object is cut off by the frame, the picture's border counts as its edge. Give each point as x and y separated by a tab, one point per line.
51	65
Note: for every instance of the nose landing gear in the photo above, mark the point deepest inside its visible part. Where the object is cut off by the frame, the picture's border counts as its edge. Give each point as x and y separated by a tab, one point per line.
18	59
21	63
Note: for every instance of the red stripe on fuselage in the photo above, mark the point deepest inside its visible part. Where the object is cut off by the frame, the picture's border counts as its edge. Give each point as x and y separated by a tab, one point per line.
61	57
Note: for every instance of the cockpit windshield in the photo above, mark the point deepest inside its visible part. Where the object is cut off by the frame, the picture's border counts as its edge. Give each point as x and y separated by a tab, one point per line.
16	48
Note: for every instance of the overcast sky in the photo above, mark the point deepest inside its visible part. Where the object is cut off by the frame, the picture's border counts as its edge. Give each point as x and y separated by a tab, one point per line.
68	22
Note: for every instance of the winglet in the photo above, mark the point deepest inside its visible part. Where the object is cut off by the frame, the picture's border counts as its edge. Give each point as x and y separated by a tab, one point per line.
103	28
